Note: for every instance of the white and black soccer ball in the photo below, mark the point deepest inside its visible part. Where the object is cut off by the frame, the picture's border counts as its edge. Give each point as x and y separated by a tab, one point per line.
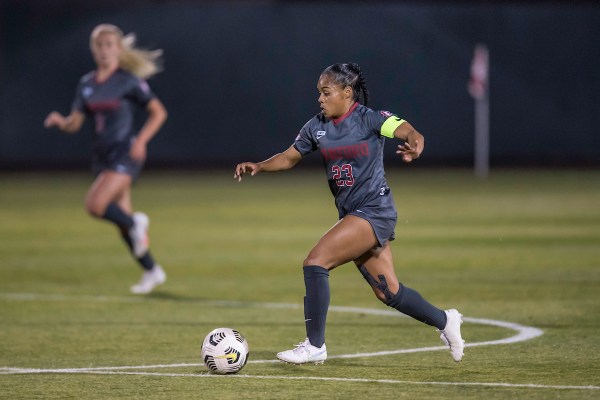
224	351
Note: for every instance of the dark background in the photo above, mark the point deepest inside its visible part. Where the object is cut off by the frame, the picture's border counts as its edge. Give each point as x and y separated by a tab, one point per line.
240	76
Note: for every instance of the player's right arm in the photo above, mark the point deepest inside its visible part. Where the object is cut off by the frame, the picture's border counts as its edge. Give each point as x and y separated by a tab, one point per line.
279	162
70	124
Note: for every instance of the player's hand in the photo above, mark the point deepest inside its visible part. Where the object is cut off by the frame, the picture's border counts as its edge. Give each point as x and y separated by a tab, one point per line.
54	119
408	152
138	151
246	167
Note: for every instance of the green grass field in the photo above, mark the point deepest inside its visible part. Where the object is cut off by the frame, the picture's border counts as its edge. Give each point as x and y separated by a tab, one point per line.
521	247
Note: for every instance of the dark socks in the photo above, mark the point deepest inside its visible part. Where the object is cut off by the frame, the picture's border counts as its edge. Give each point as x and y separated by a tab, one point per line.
146	261
411	303
316	303
116	215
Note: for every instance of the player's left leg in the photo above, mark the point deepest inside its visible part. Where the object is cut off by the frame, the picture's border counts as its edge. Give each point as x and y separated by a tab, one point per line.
101	202
345	241
138	232
377	268
101	196
153	274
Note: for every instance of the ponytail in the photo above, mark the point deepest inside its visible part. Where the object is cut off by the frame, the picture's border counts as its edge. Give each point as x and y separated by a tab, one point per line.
361	85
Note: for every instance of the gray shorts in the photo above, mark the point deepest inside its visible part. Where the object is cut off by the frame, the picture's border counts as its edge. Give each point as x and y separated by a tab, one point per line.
382	216
382	226
116	159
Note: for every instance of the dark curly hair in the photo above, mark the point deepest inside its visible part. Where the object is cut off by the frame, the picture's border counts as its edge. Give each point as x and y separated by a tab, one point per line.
349	74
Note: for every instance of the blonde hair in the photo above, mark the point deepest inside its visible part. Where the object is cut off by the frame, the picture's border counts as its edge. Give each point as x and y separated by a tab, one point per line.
141	63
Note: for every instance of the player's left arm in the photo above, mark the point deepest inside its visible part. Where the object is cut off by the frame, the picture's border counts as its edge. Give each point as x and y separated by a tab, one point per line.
414	142
157	115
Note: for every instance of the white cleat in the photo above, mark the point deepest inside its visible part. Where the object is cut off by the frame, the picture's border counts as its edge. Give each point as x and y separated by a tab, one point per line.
150	279
451	334
139	234
304	353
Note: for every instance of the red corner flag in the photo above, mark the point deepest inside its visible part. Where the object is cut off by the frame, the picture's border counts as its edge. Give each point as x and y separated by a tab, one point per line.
478	81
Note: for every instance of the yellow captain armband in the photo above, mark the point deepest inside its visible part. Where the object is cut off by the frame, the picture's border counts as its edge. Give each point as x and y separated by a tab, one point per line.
390	125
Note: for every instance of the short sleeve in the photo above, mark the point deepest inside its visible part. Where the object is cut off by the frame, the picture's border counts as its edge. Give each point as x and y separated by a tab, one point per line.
78	102
385	122
140	92
305	142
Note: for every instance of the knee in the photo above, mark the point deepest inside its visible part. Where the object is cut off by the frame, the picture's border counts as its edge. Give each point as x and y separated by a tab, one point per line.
313	259
309	260
386	291
94	208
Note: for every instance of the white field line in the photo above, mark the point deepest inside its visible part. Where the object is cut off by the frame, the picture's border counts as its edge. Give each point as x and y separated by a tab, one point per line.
348	380
523	332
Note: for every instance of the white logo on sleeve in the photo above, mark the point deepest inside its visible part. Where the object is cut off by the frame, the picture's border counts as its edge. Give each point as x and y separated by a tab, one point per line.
87	91
144	86
320	134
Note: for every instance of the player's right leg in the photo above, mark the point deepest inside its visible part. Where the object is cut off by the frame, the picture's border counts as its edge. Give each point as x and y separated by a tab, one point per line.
345	241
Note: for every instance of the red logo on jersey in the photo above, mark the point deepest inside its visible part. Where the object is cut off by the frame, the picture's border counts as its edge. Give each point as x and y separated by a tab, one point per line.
346	152
106	105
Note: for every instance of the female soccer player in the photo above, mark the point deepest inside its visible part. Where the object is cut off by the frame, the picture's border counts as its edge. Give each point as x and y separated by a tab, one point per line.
350	138
111	94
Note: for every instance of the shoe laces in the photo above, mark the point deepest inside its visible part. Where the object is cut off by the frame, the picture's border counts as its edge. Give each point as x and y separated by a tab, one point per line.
147	277
302	346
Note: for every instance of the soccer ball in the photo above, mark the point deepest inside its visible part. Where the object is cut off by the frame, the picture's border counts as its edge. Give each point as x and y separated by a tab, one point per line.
224	351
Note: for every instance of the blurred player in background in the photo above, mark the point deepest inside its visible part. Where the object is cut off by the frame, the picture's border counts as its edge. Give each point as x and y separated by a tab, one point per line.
350	138
111	94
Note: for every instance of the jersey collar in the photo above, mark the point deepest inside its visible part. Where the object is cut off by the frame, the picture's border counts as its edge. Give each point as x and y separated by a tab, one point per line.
98	82
343	117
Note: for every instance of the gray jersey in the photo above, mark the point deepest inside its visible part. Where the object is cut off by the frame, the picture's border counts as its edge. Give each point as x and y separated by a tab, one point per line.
112	103
352	151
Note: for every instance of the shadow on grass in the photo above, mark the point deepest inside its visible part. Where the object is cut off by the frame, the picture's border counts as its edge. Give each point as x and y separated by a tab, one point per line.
175	297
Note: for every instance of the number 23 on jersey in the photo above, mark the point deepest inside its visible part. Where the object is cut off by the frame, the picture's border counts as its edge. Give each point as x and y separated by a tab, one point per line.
343	175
